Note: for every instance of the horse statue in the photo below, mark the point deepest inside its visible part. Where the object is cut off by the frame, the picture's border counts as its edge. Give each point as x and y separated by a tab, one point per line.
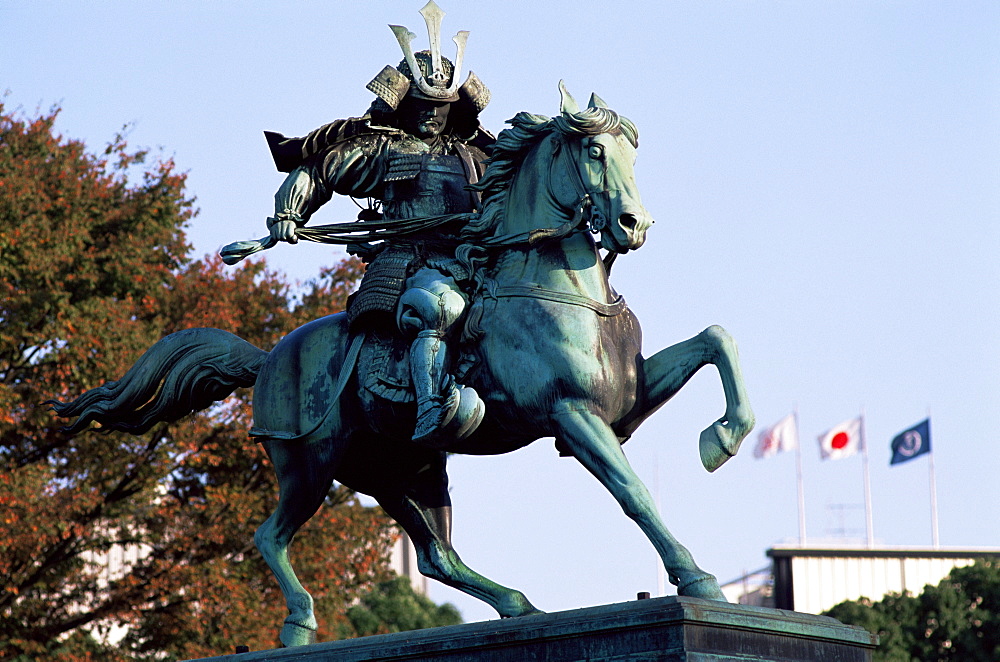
559	356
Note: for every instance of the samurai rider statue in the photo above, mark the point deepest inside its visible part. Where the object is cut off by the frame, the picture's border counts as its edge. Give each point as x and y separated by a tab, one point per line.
413	154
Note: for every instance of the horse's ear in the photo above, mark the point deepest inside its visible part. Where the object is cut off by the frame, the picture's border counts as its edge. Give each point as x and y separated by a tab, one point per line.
596	101
568	105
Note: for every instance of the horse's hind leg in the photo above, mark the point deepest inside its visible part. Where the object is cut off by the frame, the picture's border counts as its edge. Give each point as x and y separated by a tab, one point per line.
305	473
423	509
597	447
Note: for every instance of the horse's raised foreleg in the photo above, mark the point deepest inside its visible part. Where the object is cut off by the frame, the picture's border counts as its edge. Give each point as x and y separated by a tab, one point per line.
597	447
423	509
305	474
664	373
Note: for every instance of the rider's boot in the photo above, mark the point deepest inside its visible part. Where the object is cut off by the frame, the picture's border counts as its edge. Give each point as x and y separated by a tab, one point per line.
437	396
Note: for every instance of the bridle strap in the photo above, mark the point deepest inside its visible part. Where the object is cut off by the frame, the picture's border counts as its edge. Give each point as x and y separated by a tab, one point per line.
596	221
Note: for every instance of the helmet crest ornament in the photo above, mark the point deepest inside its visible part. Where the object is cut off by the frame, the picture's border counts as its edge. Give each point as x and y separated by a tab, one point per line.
437	87
428	74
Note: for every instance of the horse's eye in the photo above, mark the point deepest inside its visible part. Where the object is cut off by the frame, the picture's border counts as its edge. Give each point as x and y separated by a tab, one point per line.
596	151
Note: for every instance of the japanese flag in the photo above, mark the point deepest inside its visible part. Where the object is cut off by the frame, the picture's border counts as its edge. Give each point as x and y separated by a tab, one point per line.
841	441
782	436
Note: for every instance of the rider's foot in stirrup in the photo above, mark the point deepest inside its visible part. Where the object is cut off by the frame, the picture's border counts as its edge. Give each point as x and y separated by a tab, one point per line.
434	413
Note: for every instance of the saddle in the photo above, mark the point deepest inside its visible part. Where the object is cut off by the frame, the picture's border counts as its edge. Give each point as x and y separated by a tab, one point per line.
383	366
386	393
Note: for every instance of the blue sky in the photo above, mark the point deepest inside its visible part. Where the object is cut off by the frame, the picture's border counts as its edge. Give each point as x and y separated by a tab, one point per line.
826	182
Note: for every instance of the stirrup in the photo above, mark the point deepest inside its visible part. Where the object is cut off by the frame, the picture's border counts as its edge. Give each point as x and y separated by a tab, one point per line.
436	416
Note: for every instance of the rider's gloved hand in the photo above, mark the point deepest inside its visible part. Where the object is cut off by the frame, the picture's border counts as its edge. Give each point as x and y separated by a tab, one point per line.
284	231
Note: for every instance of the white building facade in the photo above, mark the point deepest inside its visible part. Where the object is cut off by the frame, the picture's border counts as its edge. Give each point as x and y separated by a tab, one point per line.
812	579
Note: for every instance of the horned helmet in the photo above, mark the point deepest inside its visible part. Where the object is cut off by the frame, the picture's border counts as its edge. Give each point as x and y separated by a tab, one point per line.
428	75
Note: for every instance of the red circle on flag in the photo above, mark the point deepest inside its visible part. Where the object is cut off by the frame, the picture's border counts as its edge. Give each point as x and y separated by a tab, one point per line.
839	440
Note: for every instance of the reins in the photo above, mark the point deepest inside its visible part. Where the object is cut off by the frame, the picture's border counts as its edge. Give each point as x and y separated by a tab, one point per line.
587	217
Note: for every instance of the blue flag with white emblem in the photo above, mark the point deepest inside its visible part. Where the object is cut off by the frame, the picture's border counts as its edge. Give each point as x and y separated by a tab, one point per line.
912	442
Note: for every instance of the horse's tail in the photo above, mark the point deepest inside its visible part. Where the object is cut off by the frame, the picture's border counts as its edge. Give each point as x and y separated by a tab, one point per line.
184	372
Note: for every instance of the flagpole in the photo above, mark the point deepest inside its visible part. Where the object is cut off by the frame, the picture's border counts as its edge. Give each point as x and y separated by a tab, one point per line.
935	541
798	480
934	511
869	528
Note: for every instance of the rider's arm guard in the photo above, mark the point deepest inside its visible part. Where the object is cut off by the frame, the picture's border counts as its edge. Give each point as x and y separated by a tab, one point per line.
301	194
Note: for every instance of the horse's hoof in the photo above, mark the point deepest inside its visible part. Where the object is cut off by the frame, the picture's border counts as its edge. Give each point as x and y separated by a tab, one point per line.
515	605
533	612
713	450
705	587
293	634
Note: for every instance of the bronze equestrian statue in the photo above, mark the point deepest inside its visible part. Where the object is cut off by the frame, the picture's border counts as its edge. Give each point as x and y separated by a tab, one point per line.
498	264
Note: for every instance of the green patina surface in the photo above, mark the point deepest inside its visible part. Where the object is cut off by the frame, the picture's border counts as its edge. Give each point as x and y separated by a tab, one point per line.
486	321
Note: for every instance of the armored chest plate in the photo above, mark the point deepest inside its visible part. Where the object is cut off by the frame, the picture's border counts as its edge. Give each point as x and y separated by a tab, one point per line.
426	185
403	167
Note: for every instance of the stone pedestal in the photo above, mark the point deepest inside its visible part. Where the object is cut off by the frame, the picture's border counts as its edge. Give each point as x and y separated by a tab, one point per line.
669	629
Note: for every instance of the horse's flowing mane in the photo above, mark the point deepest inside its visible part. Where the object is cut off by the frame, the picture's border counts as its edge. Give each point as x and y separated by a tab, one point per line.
513	145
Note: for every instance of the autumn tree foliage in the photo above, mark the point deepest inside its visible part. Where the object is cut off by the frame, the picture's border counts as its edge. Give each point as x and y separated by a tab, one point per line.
95	268
957	620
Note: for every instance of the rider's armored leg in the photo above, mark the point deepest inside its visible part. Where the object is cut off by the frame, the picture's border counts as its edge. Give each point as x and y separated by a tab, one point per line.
430	306
437	397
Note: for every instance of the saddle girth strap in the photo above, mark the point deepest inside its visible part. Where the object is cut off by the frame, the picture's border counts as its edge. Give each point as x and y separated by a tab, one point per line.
346	370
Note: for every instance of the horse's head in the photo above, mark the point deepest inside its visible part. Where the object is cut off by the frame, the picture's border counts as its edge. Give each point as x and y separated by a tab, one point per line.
602	145
574	167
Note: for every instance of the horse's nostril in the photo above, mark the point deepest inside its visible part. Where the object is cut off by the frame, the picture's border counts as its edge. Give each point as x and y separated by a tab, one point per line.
628	221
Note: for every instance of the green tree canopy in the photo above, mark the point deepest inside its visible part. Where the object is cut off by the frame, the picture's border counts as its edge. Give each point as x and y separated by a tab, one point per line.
95	268
393	606
959	619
